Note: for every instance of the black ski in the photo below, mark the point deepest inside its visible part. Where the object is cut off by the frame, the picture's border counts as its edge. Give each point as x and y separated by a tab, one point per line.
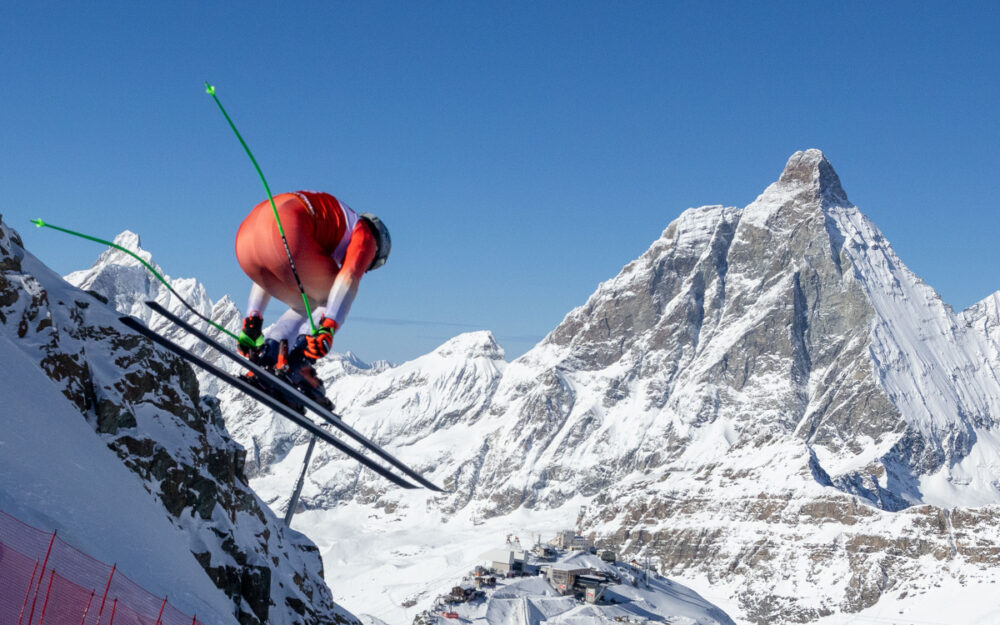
293	394
265	399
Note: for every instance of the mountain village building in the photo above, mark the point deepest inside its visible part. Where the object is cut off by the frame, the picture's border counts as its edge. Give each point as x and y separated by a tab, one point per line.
505	561
569	539
581	543
543	552
563	576
593	587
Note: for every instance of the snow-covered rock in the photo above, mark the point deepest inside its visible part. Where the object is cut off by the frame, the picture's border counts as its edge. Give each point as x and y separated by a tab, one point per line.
57	475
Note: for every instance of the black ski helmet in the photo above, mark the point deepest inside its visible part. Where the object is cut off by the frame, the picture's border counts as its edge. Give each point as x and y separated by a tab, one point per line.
382	239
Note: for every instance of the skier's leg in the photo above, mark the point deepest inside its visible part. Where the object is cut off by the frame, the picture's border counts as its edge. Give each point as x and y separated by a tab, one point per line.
291	329
305	376
288	326
317	314
280	340
258	300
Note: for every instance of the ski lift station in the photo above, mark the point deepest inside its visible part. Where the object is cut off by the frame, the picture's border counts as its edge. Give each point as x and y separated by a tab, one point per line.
569	539
505	561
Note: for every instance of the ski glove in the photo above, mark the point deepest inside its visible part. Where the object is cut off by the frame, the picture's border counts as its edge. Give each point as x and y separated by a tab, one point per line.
251	337
318	345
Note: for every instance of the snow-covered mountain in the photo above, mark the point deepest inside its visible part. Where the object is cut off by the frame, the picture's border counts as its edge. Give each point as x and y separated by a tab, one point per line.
168	462
984	317
127	285
767	401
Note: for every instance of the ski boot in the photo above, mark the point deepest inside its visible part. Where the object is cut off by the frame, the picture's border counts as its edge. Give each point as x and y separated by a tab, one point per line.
273	356
309	384
299	372
292	367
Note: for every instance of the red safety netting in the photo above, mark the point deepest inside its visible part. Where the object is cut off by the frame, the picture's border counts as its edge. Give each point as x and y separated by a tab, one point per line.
45	581
64	601
18	573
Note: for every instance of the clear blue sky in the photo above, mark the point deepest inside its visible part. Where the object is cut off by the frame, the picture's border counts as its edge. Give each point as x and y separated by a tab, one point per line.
520	152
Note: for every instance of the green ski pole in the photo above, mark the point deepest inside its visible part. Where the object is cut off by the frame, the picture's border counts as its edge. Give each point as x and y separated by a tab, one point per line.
210	90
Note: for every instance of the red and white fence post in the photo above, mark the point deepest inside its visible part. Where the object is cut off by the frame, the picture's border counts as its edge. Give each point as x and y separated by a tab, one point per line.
27	593
160	615
87	609
106	589
48	591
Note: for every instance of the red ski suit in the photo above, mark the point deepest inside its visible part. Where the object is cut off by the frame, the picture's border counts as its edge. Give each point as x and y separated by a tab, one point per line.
331	246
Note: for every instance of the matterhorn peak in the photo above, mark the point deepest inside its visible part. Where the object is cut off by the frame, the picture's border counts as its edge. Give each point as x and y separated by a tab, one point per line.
808	179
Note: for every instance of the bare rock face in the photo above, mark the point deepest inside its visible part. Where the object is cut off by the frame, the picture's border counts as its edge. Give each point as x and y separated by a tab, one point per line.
828	552
147	407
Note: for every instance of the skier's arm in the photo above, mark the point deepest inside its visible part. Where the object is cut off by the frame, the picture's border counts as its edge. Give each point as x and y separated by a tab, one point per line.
361	252
258	300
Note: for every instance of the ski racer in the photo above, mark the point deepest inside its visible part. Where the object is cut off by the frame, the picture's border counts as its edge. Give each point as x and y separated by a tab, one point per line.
331	247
